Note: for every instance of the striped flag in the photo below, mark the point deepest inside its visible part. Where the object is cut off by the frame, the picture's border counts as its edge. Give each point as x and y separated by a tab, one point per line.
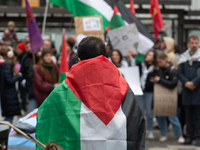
116	21
93	109
106	8
64	68
87	8
146	40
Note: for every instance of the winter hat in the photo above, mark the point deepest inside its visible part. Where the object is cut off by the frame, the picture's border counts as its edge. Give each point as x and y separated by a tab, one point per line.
71	41
46	51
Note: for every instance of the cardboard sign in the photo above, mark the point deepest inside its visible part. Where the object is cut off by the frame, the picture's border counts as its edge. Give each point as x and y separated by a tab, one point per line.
165	101
89	26
33	3
131	74
125	38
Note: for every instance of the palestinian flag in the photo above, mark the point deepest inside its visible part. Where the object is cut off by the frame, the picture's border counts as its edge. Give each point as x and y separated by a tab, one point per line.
116	21
112	12
87	8
93	109
146	40
64	68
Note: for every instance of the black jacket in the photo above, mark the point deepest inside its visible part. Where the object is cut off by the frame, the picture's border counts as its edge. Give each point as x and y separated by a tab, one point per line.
186	73
149	83
27	72
168	76
9	100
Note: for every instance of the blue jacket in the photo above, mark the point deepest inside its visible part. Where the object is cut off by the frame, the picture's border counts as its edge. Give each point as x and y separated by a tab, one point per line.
186	73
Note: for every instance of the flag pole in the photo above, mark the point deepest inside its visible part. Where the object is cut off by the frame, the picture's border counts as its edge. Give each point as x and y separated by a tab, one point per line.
45	17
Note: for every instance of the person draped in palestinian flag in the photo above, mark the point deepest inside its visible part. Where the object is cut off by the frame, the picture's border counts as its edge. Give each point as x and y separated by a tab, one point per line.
94	108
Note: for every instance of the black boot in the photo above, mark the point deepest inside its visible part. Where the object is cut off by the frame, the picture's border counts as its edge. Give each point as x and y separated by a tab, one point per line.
197	142
188	141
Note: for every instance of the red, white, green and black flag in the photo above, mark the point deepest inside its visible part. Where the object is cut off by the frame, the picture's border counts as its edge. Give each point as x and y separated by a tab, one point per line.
64	68
116	21
112	12
146	40
93	109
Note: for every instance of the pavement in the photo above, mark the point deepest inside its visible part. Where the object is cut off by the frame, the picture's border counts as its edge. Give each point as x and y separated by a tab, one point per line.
170	143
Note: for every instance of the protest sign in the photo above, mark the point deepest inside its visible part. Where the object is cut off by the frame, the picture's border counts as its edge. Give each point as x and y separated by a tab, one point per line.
89	26
33	3
165	101
131	74
125	38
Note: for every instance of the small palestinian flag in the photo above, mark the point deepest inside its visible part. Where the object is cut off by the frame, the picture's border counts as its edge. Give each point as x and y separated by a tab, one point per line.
93	109
64	68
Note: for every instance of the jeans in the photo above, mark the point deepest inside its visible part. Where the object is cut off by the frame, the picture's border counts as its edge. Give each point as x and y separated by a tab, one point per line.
32	105
145	103
9	119
192	130
162	121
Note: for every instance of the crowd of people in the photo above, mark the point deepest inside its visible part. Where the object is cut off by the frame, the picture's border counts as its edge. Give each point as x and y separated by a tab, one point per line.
26	79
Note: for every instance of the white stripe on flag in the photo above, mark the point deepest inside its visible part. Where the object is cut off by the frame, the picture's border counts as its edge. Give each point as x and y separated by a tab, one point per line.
95	135
145	43
101	6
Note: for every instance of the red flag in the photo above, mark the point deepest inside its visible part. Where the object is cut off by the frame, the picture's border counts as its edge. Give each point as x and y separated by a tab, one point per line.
157	17
132	9
64	62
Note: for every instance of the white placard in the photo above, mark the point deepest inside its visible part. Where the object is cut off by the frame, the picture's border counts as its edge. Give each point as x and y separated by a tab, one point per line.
131	74
125	38
91	24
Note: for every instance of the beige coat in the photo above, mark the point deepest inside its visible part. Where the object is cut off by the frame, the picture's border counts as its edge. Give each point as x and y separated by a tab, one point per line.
169	42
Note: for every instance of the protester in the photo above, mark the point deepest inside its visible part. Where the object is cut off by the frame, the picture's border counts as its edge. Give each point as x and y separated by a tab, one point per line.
167	76
167	46
147	71
21	47
178	51
189	74
54	51
93	91
70	53
108	49
20	51
156	46
132	58
9	99
9	34
27	65
117	59
46	76
47	45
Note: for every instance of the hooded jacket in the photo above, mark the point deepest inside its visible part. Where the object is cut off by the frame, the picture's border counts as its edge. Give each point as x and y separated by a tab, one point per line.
169	42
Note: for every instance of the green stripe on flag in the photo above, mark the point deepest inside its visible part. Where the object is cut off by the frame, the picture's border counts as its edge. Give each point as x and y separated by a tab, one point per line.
62	77
116	22
58	119
78	8
139	58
